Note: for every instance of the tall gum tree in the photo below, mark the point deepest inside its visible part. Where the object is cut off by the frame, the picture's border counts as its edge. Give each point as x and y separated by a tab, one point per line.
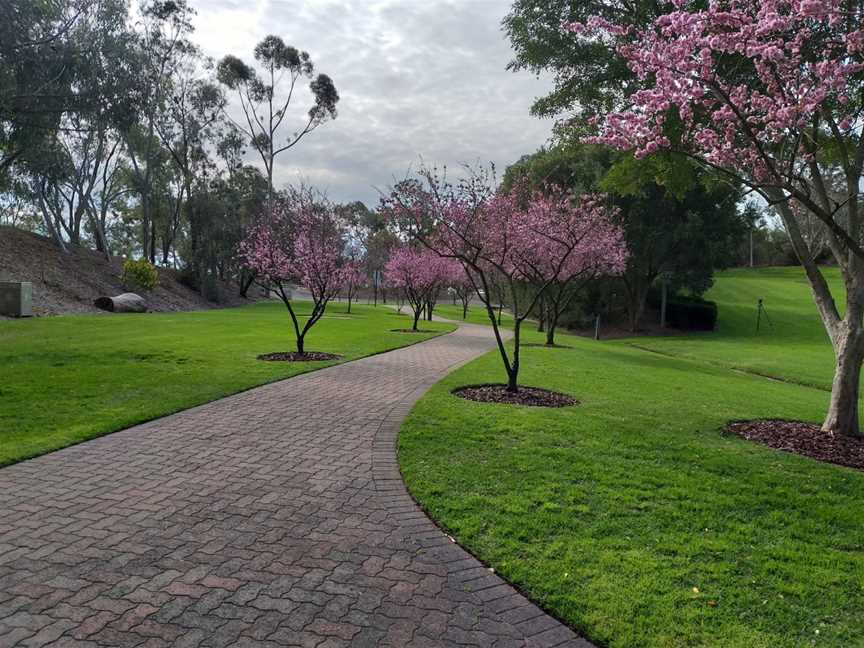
263	111
770	93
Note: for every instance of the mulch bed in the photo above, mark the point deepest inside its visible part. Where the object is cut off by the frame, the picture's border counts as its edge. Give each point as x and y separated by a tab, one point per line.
803	439
293	356
411	331
531	396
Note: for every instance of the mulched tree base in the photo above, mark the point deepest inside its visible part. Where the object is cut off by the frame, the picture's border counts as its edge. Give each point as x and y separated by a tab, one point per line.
412	331
531	396
293	356
803	439
541	345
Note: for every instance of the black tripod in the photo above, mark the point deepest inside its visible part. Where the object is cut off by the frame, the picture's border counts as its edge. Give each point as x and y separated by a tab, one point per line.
760	310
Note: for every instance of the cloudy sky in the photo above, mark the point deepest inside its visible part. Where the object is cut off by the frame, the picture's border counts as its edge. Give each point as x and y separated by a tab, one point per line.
417	78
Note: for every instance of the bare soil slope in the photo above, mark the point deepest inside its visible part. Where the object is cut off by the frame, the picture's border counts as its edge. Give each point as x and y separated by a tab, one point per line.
68	283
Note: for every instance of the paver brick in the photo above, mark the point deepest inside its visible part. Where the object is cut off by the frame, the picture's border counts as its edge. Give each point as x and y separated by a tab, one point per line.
276	517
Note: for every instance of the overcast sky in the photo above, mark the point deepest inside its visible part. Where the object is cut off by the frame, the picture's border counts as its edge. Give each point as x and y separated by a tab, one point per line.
417	78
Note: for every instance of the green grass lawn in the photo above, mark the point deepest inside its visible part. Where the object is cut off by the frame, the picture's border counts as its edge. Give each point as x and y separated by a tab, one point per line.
794	346
68	379
632	517
476	313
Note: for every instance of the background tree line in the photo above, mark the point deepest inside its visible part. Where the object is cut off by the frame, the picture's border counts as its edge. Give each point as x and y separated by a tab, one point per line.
116	133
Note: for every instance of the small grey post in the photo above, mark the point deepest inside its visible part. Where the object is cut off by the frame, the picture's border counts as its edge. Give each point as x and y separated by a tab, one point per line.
16	298
597	327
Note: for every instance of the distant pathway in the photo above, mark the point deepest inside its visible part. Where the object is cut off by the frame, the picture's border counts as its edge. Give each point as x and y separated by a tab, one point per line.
276	517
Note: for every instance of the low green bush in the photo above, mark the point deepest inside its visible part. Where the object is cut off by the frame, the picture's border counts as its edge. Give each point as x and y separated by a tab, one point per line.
139	275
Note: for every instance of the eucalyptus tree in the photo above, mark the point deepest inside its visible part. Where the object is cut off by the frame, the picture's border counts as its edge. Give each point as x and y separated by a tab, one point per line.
36	72
282	67
189	128
71	153
160	45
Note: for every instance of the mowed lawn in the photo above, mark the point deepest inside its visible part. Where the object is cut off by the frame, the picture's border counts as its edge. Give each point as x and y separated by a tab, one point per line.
632	516
68	379
791	343
476	314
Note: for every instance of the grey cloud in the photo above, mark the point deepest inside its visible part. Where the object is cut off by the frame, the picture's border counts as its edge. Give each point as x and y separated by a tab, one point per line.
415	78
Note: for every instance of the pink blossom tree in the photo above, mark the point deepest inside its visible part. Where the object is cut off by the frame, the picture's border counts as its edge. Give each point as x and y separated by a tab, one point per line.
581	230
459	282
418	273
302	243
497	238
353	279
768	92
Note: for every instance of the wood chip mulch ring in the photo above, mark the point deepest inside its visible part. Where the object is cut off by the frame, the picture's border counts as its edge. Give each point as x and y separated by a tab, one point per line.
541	345
293	356
804	439
530	396
407	330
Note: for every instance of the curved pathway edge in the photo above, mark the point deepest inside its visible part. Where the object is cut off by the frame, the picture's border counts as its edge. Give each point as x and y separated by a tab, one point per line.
274	517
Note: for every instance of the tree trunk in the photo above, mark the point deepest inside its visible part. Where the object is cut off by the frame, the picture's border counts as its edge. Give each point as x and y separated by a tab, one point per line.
145	225
153	245
550	335
301	349
465	309
842	417
663	305
635	308
49	225
417	312
513	369
541	315
246	280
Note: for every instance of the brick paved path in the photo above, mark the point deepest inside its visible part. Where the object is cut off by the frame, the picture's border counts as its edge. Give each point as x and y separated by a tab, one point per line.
276	517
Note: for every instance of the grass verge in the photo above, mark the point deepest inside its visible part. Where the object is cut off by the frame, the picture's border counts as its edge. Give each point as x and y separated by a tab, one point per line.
632	517
72	378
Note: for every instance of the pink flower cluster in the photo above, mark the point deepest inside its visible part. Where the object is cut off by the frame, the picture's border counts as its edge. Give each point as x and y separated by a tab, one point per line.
353	276
562	238
302	245
541	236
420	273
751	81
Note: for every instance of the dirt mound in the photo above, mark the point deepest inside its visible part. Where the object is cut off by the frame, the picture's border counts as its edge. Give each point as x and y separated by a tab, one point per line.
68	283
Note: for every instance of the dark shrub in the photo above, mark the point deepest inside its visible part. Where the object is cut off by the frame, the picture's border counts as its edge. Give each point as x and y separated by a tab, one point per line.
691	313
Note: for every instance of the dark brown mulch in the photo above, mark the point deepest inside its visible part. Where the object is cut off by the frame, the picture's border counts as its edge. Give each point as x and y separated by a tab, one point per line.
531	396
411	331
803	439
293	356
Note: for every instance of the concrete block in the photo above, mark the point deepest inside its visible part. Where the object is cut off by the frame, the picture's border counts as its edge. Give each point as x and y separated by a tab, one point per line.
16	298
